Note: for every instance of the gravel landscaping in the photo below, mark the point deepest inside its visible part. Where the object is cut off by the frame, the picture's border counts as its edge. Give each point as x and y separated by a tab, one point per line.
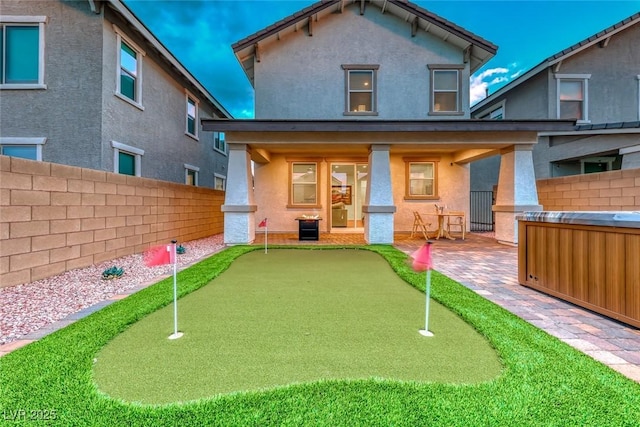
31	306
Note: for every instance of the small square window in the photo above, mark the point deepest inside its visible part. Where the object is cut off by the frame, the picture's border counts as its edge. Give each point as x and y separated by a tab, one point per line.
22	52
219	182
127	160
191	174
303	179
573	96
126	163
23	147
360	86
421	179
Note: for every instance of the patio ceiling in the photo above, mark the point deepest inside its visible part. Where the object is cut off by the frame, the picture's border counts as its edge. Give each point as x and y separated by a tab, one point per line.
465	140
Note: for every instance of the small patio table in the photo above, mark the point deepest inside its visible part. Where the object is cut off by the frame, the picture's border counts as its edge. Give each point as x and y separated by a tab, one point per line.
442	231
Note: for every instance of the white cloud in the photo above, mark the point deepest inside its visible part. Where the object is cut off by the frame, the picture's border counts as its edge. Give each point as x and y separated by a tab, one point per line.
480	82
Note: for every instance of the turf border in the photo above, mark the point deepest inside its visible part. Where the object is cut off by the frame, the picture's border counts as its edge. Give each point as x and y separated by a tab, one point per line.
544	381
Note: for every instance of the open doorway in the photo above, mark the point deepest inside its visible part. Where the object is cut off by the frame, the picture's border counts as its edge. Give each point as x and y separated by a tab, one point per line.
348	190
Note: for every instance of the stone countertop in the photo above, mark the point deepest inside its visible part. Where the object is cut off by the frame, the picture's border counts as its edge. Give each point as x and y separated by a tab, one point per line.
627	219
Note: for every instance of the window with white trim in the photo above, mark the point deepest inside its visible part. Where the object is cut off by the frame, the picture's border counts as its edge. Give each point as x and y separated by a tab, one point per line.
219	181
129	70
127	160
421	179
446	84
219	143
25	148
191	174
573	90
22	52
303	184
192	116
360	89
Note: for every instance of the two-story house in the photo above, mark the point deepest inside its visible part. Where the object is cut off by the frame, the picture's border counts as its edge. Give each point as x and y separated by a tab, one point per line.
85	83
363	107
596	82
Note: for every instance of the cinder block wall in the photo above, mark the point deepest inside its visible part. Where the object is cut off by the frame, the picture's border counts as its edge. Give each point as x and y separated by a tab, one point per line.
606	191
55	218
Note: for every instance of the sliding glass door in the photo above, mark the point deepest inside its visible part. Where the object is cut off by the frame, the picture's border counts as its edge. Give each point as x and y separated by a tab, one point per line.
348	190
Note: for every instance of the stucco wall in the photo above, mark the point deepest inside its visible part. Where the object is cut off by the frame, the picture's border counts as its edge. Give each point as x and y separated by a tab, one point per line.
67	112
606	191
301	76
272	192
55	218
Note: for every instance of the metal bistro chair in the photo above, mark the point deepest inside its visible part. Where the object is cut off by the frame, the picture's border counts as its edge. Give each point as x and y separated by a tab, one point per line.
456	221
419	226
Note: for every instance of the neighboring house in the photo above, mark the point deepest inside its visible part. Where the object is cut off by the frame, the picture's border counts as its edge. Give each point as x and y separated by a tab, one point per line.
362	117
596	82
85	83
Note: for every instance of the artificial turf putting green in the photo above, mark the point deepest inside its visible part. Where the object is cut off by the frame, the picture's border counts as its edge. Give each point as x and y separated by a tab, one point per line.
292	316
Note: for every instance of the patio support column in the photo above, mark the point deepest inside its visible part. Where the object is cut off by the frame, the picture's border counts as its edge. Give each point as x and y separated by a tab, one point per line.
379	207
517	191
239	205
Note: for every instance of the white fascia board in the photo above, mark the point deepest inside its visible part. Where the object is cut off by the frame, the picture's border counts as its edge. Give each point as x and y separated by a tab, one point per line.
131	18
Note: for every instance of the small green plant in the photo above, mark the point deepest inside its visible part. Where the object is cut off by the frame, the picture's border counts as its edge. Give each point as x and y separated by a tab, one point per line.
112	273
181	249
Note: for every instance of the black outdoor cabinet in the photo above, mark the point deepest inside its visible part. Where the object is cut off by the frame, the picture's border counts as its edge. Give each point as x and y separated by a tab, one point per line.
308	228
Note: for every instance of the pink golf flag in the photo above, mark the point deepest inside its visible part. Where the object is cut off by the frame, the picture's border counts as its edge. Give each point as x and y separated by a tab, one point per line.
263	223
422	258
158	255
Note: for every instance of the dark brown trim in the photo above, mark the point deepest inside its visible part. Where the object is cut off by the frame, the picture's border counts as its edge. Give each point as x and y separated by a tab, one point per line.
348	125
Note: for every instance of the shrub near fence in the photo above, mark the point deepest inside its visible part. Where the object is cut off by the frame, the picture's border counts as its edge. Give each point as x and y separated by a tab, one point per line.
605	191
55	218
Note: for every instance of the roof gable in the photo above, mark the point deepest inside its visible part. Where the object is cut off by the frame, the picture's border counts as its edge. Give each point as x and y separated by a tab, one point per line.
601	37
477	50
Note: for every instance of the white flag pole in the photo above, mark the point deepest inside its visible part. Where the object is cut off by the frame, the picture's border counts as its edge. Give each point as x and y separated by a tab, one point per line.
175	334
266	235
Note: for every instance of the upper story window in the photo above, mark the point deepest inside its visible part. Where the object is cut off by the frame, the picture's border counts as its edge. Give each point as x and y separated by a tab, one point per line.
129	78
25	148
304	184
191	174
22	52
360	89
219	143
446	89
573	96
494	112
192	116
421	178
127	160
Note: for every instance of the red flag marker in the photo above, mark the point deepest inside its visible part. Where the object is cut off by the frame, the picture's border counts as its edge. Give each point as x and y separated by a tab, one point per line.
158	255
263	223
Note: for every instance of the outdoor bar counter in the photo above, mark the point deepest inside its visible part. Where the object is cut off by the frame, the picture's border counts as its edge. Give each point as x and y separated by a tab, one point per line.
591	259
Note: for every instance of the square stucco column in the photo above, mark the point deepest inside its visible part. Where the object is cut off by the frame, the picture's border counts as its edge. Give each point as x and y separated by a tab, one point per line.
517	191
379	207
239	205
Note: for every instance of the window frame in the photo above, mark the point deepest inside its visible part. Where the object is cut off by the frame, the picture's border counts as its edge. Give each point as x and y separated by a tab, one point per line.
21	141
128	149
223	179
196	105
190	169
299	161
407	182
120	39
216	142
584	79
488	113
24	21
373	69
433	69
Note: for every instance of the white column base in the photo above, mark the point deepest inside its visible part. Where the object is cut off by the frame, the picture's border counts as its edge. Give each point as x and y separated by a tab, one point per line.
378	228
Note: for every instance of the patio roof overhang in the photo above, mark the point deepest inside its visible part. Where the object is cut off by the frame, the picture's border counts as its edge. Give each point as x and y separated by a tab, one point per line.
464	140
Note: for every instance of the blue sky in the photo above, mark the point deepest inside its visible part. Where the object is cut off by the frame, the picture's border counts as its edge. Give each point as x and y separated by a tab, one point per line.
200	33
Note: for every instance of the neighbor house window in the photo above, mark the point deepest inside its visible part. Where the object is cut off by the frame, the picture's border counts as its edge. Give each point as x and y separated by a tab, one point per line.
219	143
421	179
25	148
446	84
573	96
22	52
360	89
192	116
303	184
191	174
129	78
219	181
127	160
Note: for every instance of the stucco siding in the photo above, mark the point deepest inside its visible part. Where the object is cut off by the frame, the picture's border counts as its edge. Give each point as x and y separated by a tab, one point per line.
67	112
301	76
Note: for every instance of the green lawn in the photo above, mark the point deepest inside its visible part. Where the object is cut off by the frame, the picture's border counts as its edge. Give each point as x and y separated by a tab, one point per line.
543	382
293	316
